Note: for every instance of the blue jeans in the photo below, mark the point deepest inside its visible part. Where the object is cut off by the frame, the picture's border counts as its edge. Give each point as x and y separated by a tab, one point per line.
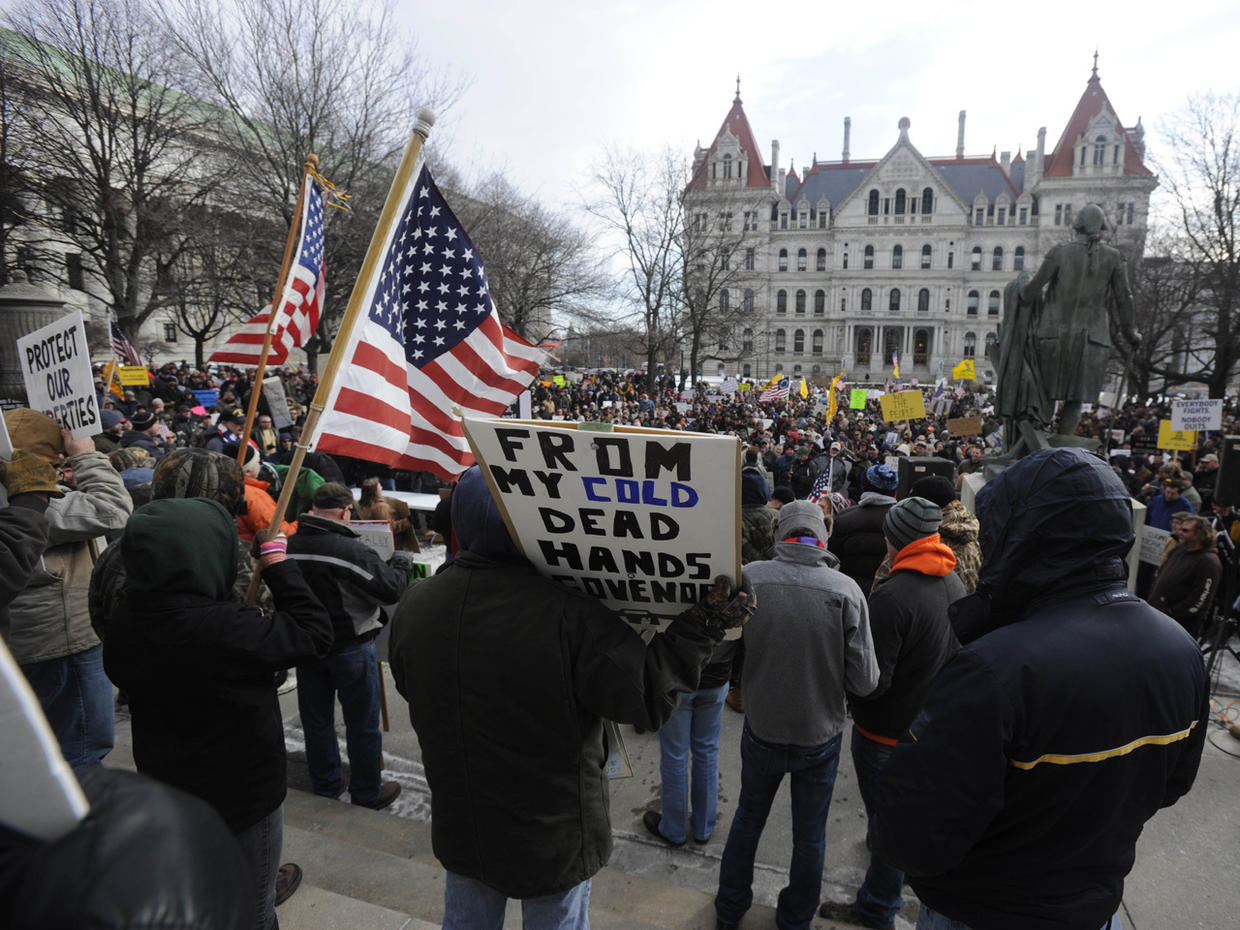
813	778
468	904
261	844
693	727
353	674
878	898
77	701
933	920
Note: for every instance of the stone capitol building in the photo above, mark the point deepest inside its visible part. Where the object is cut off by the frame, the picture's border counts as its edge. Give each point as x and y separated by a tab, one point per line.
851	261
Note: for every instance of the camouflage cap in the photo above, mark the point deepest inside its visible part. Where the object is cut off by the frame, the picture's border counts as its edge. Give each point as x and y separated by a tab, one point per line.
200	473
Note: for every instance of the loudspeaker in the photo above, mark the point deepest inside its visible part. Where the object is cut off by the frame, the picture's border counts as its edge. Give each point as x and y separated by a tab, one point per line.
1227	484
913	469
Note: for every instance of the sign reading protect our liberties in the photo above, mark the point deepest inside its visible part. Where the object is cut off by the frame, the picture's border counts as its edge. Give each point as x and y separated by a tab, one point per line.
1197	414
55	362
642	519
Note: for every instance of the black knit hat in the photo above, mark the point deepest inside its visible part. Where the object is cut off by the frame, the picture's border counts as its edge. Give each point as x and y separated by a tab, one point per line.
143	420
911	519
934	488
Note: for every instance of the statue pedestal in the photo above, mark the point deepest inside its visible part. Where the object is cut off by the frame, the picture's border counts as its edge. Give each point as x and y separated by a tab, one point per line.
974	483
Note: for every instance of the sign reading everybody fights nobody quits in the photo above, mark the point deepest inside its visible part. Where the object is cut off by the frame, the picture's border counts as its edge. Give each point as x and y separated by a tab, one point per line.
641	519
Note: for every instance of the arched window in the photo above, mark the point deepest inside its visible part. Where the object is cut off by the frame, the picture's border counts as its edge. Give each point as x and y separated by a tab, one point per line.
796	371
800	303
801	258
996	259
901	201
821	264
724	300
893	301
749	298
781	341
991	339
820	302
971	305
817	345
746	371
970	345
798	341
872	206
926	252
783	259
927	200
747	341
867	299
865	344
846	261
923	300
727	166
992	304
921	346
977	258
781	302
1100	150
897	256
1018	259
869	257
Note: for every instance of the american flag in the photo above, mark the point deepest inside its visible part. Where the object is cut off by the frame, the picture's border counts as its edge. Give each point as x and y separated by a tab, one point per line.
429	340
122	348
777	391
298	316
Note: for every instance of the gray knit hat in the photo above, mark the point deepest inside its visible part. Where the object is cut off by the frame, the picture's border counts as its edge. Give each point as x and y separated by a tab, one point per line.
802	515
911	519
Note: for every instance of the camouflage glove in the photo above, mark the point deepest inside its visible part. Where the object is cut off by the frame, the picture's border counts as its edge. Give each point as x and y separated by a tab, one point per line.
28	473
723	607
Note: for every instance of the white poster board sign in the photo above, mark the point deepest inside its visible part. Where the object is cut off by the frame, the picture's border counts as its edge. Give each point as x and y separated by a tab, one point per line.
1197	414
642	519
729	386
377	534
55	364
1152	542
277	402
6	444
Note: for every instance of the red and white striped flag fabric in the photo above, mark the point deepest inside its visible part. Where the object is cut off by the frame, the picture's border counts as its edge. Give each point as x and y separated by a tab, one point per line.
303	298
428	340
122	348
777	391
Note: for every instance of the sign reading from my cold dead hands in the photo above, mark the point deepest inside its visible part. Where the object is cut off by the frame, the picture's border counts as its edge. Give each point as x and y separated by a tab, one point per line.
641	519
55	362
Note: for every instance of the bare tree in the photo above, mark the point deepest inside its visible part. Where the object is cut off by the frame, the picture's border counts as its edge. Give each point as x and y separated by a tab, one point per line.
639	203
300	76
118	146
18	185
1166	290
1202	173
538	264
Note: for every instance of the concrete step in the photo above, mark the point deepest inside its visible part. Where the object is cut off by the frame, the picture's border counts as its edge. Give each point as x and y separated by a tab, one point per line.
353	857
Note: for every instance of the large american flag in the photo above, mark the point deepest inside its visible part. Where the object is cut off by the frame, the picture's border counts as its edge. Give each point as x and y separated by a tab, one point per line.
302	302
122	348
776	391
429	340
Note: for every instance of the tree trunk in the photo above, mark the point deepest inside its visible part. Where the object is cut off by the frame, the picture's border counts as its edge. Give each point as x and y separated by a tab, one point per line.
198	352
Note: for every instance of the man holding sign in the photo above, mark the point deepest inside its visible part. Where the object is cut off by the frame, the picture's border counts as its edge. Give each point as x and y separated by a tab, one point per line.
509	676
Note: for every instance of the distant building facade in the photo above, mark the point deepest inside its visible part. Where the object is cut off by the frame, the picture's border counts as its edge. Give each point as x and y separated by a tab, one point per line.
855	260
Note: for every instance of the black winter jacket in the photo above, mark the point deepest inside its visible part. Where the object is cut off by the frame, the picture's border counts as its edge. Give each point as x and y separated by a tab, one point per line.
857	538
508	676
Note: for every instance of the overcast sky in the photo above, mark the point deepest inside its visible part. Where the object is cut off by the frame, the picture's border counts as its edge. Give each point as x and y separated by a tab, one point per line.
555	83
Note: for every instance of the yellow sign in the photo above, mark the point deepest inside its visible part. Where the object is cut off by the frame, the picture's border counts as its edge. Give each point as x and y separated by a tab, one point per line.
1176	440
131	375
856	400
905	405
965	371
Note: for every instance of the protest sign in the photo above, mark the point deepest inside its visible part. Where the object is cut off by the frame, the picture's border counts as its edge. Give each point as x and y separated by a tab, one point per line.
1176	440
642	519
208	398
904	405
964	426
277	403
377	534
6	444
1117	436
1197	414
856	399
1152	542
964	371
728	386
55	362
134	376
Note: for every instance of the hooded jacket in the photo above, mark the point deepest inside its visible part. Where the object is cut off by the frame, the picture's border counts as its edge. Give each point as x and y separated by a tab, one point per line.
508	676
198	666
958	530
1072	714
857	538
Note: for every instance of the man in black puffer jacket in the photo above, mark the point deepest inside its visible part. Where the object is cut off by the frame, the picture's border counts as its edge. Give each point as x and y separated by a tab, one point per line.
508	676
1073	712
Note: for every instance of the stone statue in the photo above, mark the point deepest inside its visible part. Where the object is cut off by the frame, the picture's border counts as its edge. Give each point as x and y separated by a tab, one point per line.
1070	302
1021	400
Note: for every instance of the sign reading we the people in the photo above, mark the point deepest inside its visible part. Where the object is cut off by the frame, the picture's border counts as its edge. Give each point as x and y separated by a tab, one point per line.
55	362
642	519
903	405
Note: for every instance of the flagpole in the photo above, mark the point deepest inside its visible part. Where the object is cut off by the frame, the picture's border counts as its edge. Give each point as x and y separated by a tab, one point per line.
421	129
294	234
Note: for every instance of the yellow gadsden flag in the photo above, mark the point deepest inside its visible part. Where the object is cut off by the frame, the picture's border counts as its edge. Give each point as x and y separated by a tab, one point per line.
832	399
965	371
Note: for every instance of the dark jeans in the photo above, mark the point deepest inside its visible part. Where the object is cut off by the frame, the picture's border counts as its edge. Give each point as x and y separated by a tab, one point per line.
763	766
353	674
261	844
878	898
76	697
